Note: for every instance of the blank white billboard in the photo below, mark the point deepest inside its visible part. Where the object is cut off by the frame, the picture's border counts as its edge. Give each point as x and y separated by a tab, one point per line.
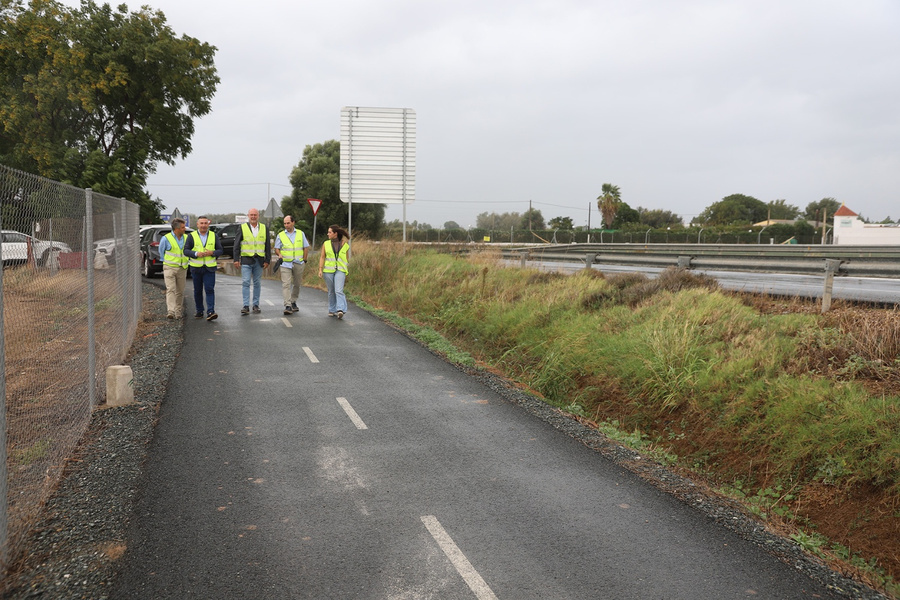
378	155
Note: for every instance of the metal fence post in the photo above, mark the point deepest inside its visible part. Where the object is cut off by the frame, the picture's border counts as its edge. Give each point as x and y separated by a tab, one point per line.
589	261
92	343
4	490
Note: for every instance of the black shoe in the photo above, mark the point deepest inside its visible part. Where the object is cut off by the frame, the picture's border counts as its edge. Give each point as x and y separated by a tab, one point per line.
256	310
294	307
340	314
212	316
288	310
245	310
198	314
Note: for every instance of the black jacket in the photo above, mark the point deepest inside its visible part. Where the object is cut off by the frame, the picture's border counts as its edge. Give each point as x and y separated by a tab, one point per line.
190	253
249	260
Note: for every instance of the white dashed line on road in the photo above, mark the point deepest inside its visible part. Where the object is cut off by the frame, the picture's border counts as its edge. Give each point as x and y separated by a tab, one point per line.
286	322
351	413
310	355
458	559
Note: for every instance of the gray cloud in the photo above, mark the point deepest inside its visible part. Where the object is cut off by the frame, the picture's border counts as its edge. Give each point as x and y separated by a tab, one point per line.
678	103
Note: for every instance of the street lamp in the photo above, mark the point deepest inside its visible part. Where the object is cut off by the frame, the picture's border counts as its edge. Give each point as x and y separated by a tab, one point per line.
647	235
668	229
760	234
699	234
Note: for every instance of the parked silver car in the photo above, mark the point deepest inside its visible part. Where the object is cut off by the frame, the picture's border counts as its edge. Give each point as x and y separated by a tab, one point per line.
15	248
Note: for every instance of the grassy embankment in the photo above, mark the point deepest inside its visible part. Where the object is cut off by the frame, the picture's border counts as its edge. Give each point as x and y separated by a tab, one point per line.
794	413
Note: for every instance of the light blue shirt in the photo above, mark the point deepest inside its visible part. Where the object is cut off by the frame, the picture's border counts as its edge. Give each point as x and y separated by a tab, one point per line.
165	245
293	238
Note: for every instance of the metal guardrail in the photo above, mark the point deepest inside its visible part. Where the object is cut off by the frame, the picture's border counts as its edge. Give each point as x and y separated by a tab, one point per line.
855	261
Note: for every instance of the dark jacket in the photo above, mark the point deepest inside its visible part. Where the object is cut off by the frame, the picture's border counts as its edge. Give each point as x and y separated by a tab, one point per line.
249	260
191	253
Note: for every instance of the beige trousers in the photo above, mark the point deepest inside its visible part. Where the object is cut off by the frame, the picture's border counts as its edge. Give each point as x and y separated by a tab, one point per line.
290	282
174	278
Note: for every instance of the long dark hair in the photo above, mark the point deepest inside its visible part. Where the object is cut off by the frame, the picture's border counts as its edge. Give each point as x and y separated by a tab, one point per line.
341	235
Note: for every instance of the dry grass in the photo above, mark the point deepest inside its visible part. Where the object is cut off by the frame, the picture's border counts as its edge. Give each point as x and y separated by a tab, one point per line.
47	392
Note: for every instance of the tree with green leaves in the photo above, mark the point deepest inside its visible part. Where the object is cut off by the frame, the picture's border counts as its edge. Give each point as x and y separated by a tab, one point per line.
318	175
494	220
736	209
97	96
532	219
564	223
608	203
625	216
658	218
782	211
826	207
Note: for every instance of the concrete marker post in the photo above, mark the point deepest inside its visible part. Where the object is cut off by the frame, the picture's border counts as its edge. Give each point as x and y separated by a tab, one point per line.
831	266
119	385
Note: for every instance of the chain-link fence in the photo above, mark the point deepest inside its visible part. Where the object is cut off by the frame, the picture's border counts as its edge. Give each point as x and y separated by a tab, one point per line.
70	303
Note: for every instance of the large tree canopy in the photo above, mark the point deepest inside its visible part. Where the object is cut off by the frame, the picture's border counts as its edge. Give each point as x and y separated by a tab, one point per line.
781	210
505	221
658	218
97	97
625	215
736	209
318	175
564	223
821	209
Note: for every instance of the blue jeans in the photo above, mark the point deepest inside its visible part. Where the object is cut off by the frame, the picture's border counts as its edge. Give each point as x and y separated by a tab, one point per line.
204	281
249	272
337	301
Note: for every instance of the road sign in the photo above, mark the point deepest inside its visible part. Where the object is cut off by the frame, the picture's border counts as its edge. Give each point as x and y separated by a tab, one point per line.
378	155
273	211
314	205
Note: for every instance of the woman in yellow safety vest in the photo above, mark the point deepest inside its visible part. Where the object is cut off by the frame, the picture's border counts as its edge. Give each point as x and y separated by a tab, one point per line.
333	269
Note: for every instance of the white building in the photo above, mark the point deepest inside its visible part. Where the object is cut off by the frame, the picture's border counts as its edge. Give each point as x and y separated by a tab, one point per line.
850	230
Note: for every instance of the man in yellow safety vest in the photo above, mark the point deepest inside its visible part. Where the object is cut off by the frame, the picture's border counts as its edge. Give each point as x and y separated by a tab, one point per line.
252	242
292	248
175	264
202	247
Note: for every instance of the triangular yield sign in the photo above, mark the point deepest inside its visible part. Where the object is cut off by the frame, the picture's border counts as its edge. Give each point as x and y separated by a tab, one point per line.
314	205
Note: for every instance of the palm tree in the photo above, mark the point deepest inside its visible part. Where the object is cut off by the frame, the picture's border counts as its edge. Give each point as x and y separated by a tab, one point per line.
608	203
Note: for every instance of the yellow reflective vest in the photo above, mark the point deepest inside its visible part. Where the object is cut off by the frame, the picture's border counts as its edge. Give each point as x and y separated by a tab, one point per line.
206	261
174	256
253	246
335	263
292	250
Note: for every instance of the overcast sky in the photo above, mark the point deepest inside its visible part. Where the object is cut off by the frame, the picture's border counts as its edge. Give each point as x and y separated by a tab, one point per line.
677	102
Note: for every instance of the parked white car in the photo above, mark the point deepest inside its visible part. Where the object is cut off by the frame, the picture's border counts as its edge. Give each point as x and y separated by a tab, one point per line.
106	246
15	245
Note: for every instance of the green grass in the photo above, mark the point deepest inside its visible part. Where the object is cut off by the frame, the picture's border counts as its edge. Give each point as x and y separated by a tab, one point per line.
676	349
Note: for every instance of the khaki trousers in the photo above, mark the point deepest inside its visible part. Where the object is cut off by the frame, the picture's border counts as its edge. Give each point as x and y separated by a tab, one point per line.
291	280
175	278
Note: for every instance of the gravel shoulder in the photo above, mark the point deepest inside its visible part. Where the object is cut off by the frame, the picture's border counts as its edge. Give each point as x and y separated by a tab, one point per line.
72	551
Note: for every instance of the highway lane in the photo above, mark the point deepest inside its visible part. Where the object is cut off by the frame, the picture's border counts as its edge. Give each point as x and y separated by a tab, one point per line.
866	289
339	459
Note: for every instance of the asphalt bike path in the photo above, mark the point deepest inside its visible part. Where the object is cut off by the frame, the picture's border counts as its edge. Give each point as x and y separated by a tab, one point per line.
304	456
